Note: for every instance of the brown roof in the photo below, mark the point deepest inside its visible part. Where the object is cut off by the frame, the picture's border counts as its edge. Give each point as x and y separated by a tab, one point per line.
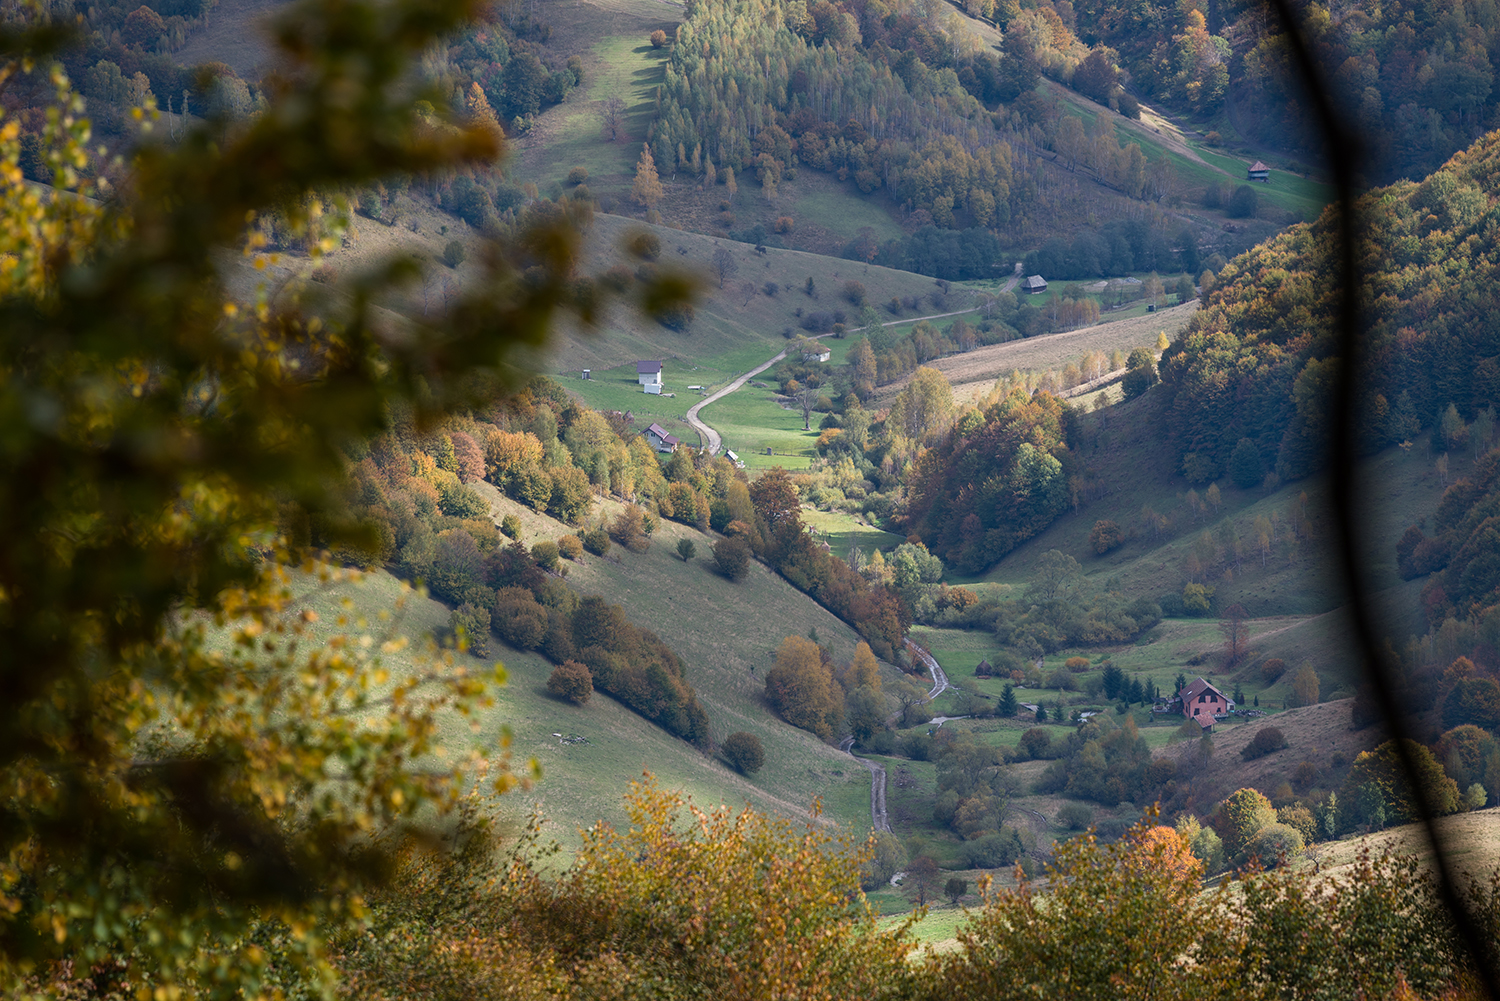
1258	167
661	433
1197	688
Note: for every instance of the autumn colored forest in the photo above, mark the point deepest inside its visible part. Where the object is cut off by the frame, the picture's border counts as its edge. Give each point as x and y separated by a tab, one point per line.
315	532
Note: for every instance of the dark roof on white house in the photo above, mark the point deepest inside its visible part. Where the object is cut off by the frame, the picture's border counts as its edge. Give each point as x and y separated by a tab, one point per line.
661	433
647	367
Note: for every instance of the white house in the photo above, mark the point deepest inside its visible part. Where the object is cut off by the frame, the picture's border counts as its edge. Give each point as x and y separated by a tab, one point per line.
648	374
818	354
659	439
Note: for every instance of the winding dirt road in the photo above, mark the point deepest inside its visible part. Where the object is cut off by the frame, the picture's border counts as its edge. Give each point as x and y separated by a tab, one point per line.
711	439
879	817
939	679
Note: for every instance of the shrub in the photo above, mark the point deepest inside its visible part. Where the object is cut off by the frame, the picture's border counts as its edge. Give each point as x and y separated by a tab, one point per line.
629	529
545	553
1036	742
572	681
510	526
1265	741
570	546
454	254
1105	536
1274	845
678	317
646	245
1244	203
784	224
686	549
470	625
1272	670
658	38
733	557
854	292
518	618
991	851
578	175
596	540
744	752
1077	664
1075	816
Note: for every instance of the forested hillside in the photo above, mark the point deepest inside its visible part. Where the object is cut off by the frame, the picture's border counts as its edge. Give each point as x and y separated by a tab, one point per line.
900	102
1257	364
1415	80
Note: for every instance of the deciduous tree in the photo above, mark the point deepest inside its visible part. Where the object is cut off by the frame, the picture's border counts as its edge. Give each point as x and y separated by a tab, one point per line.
646	189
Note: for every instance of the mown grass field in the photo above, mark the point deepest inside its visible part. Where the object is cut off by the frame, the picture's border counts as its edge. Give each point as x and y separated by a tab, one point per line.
840	530
973	373
751	421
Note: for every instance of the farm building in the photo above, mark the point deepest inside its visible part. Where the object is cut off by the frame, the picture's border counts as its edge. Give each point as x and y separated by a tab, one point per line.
648	374
1258	171
1034	285
819	354
660	440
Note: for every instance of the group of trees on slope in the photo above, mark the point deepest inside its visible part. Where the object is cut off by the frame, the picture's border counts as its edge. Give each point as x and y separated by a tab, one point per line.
889	99
1413	80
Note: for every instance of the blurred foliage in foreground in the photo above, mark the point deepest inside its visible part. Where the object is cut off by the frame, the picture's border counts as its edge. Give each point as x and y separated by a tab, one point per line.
178	808
696	904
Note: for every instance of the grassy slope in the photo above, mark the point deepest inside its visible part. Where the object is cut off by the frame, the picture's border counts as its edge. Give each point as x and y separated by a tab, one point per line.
727	634
733	331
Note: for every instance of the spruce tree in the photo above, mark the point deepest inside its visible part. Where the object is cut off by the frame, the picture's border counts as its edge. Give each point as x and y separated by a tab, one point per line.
1007	706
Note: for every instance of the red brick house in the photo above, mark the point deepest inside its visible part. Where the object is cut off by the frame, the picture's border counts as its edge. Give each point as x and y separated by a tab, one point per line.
1201	700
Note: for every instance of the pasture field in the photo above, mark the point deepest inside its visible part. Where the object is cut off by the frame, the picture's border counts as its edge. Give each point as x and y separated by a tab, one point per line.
1129	470
727	633
750	421
839	530
736	326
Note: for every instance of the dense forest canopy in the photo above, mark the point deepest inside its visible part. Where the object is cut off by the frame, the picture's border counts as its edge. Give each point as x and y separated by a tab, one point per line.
1259	363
